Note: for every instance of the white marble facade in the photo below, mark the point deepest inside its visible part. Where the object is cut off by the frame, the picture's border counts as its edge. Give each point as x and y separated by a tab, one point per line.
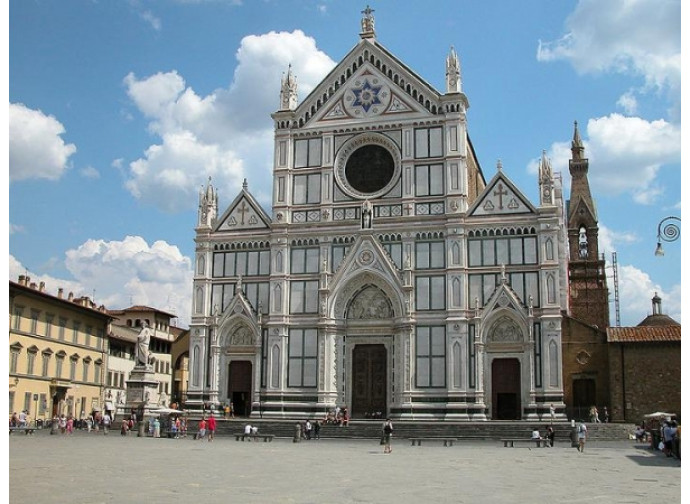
389	275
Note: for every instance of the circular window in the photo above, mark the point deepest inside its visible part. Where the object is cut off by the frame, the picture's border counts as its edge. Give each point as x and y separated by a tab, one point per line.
369	169
368	165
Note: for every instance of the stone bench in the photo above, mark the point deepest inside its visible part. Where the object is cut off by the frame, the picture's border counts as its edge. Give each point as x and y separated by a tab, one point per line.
25	430
446	441
510	442
267	438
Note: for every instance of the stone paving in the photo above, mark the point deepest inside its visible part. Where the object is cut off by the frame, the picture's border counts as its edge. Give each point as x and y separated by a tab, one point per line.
93	468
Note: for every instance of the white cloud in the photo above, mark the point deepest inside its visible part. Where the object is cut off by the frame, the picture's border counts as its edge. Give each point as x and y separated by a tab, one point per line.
228	134
628	103
609	239
625	154
90	172
125	273
35	145
636	290
151	19
16	228
640	37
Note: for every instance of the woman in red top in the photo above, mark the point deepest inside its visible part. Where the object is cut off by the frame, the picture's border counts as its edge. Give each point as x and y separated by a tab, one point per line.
211	427
202	429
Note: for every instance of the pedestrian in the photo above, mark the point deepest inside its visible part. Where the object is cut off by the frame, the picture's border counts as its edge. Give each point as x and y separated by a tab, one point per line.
317	429
550	435
581	436
106	423
307	430
552	412
202	428
70	425
387	434
124	427
211	427
156	428
606	415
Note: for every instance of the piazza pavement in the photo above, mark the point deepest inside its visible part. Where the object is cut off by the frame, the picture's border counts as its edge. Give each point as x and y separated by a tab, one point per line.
94	468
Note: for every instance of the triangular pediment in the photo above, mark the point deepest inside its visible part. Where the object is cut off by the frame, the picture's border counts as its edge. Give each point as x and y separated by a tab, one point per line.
368	83
501	197
580	212
238	312
504	298
367	263
243	213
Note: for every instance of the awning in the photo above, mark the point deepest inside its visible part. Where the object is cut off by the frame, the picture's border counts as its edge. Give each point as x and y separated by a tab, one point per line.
109	406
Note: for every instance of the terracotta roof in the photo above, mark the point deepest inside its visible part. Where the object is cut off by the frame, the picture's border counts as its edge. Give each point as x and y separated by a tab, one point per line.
643	334
141	308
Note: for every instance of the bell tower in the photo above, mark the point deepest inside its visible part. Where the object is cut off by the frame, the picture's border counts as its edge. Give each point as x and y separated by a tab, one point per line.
588	292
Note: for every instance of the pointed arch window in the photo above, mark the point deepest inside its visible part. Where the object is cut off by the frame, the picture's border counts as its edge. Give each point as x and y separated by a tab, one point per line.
583	251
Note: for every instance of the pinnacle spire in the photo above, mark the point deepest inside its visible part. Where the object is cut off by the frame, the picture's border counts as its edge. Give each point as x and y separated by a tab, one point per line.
577	148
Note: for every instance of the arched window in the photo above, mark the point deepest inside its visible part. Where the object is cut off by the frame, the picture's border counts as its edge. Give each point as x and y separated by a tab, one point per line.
199	300
195	372
457	365
582	243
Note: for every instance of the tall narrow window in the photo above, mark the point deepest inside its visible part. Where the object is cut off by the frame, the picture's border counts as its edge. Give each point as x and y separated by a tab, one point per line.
302	358
31	360
431	356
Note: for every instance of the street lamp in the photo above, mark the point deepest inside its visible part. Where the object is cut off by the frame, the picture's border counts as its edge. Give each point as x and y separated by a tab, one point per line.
666	231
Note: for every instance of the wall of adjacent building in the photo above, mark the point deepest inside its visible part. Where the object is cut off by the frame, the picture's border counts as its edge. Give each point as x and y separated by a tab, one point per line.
645	378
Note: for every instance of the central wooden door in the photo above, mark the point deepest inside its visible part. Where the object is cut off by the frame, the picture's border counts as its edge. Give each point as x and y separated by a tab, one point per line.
505	389
240	387
369	374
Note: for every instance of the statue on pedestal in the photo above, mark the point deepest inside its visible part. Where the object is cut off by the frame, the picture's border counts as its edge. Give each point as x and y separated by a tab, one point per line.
142	349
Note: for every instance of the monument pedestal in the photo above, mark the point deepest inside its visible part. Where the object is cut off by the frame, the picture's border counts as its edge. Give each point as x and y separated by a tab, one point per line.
142	391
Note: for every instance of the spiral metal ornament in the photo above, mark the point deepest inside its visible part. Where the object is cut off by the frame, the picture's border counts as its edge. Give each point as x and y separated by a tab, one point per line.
669	230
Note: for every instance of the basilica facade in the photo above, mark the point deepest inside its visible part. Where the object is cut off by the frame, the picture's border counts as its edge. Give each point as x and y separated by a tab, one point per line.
389	276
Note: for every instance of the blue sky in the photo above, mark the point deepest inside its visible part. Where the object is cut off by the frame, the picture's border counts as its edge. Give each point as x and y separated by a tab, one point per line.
120	111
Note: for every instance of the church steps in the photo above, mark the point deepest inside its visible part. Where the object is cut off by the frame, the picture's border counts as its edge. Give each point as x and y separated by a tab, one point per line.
371	429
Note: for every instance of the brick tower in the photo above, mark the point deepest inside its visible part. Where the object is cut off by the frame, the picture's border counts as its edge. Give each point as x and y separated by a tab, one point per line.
588	292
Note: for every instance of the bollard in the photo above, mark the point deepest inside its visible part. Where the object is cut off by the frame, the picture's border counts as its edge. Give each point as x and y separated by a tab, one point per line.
298	433
140	428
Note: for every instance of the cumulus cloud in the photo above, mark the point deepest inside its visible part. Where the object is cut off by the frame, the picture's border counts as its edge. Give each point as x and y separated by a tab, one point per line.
227	134
636	290
640	38
625	154
35	145
609	240
125	273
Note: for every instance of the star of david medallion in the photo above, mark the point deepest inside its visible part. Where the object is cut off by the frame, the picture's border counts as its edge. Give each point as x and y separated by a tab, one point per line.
367	97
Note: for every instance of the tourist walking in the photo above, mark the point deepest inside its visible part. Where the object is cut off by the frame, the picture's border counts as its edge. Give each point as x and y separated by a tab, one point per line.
202	428
581	436
550	435
387	434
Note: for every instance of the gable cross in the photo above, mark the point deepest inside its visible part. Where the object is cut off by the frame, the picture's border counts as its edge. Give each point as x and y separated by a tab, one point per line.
500	193
243	209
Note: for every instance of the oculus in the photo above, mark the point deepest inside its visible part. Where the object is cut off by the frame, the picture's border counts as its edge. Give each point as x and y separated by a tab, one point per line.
368	165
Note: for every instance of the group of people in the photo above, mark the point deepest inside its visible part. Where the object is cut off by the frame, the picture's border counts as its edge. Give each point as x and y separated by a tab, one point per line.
550	434
20	420
311	430
207	428
339	416
594	415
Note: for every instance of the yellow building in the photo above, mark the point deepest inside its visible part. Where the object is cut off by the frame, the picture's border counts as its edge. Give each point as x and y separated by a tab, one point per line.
58	349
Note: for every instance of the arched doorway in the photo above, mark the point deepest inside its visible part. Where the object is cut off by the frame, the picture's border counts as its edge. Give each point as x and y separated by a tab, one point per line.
505	389
369	380
240	387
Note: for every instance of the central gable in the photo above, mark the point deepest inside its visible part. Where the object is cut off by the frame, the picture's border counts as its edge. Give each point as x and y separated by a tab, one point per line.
368	82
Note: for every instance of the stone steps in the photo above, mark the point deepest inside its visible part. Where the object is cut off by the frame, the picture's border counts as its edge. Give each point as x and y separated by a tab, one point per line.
371	429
